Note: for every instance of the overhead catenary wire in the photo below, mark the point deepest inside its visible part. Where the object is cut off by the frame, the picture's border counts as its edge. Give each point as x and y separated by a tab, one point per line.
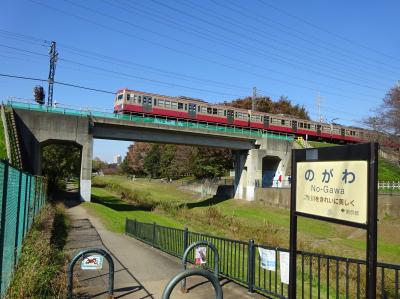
217	38
263	36
328	31
35	53
211	51
323	44
56	82
191	55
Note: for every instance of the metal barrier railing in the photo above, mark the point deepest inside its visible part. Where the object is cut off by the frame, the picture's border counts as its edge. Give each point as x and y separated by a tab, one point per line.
320	275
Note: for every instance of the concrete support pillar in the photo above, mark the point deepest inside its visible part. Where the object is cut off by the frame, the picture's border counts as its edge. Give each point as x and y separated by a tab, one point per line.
248	173
240	174
86	169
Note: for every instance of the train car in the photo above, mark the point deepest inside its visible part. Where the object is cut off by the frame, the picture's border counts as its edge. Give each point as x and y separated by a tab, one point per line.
137	102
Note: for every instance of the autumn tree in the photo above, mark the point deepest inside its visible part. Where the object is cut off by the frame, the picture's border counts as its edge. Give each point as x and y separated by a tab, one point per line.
265	104
385	123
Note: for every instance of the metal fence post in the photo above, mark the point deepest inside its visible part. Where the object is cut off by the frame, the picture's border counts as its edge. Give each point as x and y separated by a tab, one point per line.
3	223
185	239
18	216
250	267
154	234
135	228
126	225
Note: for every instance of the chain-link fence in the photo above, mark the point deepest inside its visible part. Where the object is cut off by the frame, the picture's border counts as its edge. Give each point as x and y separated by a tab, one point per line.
22	196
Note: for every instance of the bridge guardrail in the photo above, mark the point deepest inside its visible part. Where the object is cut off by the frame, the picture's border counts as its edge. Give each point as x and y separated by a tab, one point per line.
156	120
319	274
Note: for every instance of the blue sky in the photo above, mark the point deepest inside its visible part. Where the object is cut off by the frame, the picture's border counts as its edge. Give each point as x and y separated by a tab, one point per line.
347	51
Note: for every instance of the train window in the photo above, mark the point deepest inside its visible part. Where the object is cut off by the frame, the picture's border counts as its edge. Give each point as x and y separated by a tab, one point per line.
282	122
185	106
167	104
120	96
128	97
140	100
224	112
161	103
236	114
180	106
155	102
215	111
174	105
209	110
198	108
220	112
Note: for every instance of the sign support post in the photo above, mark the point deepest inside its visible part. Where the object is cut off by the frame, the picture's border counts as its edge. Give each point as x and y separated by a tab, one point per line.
339	185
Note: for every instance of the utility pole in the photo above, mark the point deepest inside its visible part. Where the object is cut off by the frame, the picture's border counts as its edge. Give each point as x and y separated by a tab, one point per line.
253	100
318	100
53	60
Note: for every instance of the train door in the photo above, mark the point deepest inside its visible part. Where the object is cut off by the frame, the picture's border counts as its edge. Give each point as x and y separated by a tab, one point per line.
147	104
342	132
192	110
266	122
319	130
230	116
294	125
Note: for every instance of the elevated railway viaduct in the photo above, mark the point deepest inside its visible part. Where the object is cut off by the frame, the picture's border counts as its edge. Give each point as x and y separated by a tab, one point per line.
38	126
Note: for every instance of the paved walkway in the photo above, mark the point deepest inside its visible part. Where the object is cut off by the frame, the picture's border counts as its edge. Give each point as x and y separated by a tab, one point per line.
141	271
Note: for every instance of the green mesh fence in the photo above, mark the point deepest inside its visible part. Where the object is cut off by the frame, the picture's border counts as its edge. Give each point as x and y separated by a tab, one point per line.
22	196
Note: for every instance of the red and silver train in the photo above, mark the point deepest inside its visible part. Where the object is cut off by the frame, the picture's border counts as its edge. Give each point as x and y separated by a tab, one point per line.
137	102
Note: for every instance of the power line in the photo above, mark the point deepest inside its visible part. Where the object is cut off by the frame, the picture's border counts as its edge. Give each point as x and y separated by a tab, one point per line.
323	43
213	36
56	82
328	31
163	83
189	54
258	41
236	23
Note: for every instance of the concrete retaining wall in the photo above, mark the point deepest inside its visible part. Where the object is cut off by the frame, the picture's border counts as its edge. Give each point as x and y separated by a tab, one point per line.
388	205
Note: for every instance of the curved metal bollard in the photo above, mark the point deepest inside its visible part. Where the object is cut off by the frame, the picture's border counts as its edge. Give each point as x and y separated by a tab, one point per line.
82	254
186	253
193	272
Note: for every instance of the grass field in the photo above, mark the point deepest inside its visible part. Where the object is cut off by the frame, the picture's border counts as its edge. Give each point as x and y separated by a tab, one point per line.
234	219
3	151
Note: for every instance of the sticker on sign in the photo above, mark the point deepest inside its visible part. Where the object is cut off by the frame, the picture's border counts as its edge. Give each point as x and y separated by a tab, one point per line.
93	262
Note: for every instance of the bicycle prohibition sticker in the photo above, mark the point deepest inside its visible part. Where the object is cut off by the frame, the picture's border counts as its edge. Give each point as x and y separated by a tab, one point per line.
333	189
93	262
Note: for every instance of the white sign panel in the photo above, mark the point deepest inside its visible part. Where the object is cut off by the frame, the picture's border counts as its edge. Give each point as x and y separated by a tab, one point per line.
93	262
336	190
268	259
284	266
200	255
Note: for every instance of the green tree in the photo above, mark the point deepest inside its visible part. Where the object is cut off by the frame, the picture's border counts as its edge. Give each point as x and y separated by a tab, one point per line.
211	162
98	164
152	162
59	163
